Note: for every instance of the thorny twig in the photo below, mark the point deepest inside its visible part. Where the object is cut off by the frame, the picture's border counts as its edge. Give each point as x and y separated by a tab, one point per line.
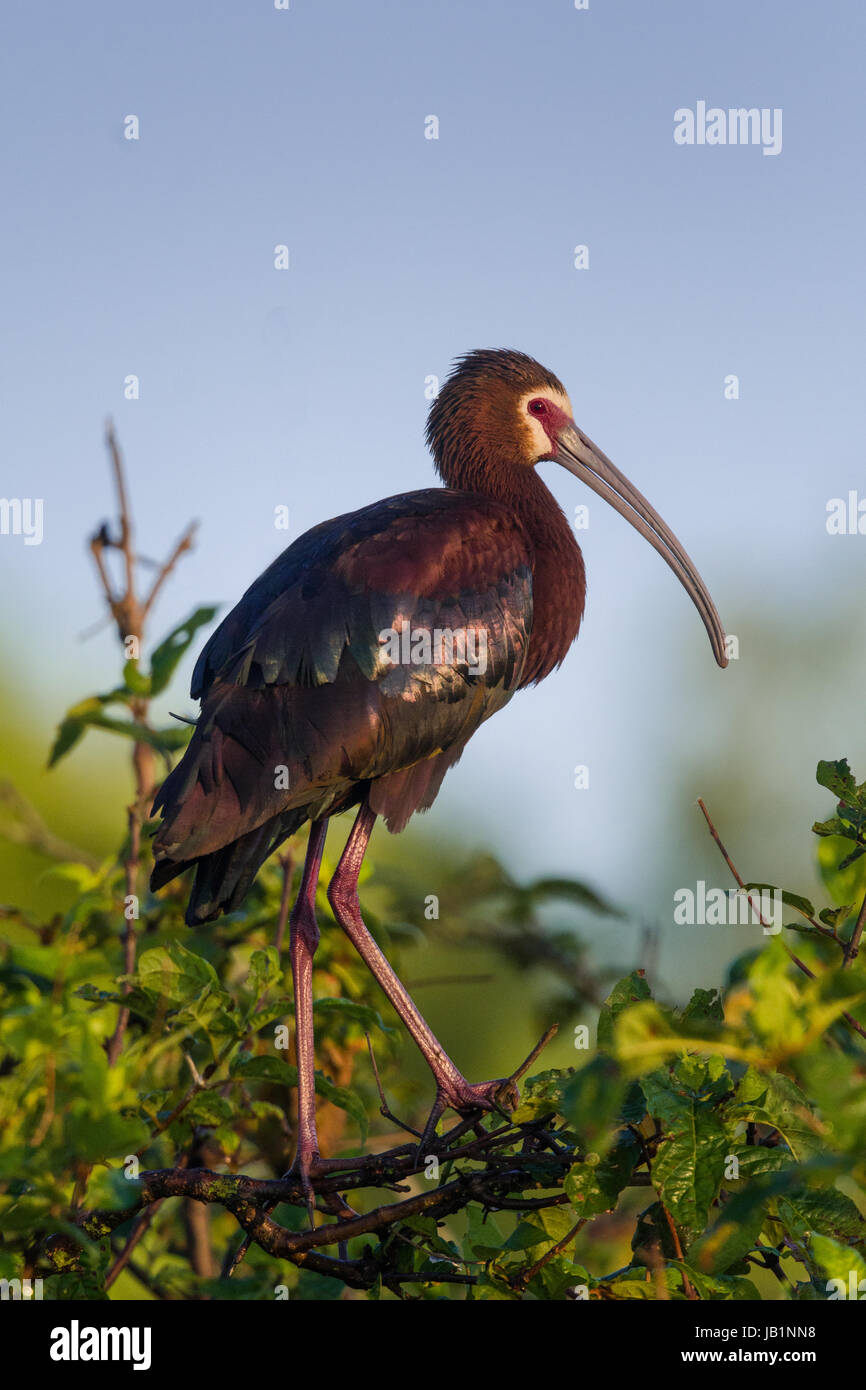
251	1200
853	946
476	1170
130	614
688	1288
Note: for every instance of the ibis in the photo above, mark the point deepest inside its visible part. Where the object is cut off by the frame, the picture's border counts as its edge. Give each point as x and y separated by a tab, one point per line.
355	669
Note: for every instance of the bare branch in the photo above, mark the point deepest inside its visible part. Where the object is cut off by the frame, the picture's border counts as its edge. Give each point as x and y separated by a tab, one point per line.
184	544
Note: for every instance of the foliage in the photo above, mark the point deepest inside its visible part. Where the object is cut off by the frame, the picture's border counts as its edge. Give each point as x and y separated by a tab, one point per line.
205	1073
711	1152
743	1114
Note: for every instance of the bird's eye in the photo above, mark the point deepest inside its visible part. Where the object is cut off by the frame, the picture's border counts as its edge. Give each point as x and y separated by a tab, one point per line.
537	407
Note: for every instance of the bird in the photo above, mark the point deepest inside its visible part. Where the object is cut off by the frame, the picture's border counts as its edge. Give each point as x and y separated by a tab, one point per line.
355	669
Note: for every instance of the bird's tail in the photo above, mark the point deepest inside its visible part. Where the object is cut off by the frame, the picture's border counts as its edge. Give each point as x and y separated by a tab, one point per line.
224	877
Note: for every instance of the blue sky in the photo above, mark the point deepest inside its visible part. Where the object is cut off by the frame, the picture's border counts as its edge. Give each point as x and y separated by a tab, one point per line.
305	387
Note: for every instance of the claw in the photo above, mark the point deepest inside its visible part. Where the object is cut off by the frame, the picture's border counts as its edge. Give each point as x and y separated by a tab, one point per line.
428	1134
311	1165
465	1099
507	1097
304	1167
339	1207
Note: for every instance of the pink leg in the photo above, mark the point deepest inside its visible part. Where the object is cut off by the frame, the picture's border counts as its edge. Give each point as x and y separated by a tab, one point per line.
452	1088
303	940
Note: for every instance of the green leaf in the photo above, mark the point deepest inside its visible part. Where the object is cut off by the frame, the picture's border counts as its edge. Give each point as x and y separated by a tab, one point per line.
89	714
207	1108
754	1160
688	1166
483	1237
227	1138
77	875
652	1236
346	1100
365	1014
572	891
313	1288
265	969
837	1086
266	1068
135	681
164	740
824	1209
104	1138
166	656
558	1277
776	1100
274	1069
68	733
555	1222
525	1237
838	779
542	1095
704	1006
594	1185
172	972
628	991
721	1287
99	996
794	900
839	1262
592	1099
833	916
635	1283
834	826
74	724
734	1234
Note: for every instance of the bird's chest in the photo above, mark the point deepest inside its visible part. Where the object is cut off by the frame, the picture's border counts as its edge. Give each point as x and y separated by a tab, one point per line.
558	597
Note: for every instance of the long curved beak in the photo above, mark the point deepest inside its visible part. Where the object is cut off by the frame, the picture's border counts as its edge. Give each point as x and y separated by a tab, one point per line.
580	456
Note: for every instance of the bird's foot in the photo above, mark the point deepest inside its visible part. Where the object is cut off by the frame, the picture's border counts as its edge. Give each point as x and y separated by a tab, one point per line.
467	1099
304	1167
501	1095
309	1164
456	1093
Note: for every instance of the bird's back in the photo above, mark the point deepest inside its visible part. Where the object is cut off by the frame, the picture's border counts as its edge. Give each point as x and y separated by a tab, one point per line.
327	681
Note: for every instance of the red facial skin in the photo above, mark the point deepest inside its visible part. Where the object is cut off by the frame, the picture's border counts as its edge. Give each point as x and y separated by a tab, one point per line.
553	420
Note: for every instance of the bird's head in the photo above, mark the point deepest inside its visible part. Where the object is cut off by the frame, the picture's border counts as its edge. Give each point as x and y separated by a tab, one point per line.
500	413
